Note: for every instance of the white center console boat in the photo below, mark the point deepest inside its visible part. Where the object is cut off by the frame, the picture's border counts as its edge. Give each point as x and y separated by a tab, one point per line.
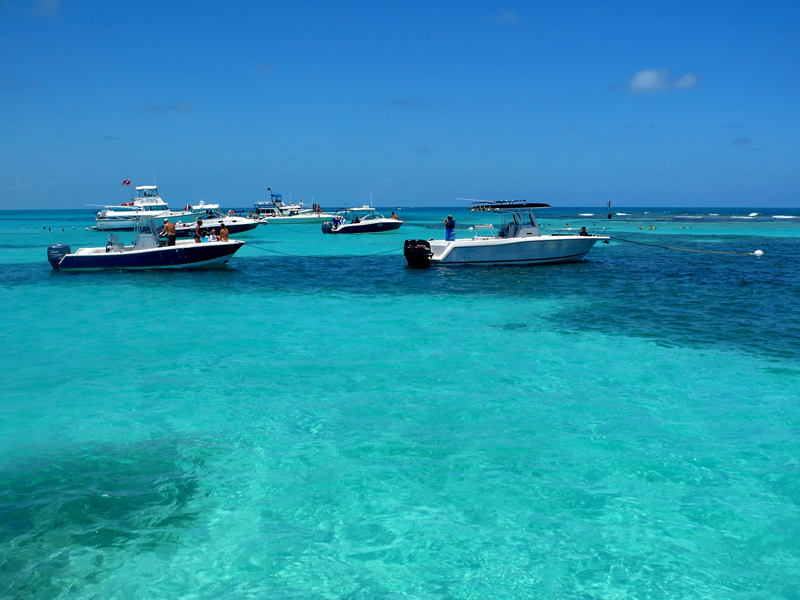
146	252
518	241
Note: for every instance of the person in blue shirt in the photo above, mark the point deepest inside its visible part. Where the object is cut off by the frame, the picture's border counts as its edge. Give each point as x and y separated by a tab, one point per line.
450	229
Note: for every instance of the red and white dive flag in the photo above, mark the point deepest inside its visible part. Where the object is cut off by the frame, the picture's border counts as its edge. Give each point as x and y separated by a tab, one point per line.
126	182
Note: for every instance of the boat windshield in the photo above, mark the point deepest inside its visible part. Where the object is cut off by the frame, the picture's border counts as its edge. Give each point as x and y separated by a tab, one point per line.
145	226
211	214
265	208
146	191
524	219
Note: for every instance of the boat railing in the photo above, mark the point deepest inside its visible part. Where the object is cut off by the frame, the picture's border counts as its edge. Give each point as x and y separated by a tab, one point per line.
594	231
484	230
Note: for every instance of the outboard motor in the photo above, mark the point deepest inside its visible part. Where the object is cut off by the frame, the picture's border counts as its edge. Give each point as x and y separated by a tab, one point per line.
327	227
56	253
418	253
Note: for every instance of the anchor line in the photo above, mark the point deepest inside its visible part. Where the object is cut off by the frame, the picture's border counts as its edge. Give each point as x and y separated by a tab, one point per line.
321	257
682	249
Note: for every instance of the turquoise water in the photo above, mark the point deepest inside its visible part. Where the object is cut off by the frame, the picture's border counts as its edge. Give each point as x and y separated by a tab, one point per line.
342	426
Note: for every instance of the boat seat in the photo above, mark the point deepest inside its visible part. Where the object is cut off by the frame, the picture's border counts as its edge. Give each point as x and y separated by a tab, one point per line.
113	244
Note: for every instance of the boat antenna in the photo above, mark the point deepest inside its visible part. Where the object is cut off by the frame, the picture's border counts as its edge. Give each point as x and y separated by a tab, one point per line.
370	193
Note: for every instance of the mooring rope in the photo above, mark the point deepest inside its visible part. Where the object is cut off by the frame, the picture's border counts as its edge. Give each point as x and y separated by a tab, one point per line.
683	249
293	226
322	257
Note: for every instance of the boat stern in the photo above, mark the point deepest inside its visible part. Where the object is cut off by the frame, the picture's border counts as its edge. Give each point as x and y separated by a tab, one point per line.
55	253
418	253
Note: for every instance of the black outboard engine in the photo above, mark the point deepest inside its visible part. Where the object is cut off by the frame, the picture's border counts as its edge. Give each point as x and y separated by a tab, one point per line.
327	227
418	253
56	253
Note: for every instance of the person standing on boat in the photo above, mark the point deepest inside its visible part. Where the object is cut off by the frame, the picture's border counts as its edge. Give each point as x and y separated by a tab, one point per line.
450	229
169	231
198	233
223	233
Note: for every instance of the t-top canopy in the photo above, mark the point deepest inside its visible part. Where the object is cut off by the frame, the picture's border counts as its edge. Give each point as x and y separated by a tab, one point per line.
501	205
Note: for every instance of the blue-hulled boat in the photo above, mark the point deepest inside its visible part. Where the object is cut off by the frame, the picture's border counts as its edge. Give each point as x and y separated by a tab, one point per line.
145	253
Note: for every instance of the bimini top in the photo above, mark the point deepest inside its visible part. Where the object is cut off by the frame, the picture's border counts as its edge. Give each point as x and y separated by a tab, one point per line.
503	205
146	191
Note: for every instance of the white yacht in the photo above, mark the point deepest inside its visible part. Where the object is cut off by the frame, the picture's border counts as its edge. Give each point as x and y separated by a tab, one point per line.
214	220
201	207
275	211
147	203
518	241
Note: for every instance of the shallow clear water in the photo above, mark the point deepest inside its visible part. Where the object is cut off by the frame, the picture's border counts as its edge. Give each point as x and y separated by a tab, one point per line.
342	426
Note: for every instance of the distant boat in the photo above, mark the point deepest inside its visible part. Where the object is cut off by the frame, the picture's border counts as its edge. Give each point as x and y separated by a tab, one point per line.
371	222
214	220
275	211
145	253
146	204
517	242
201	207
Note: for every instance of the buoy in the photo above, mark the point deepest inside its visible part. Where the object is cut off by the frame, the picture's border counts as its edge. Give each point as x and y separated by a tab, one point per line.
758	253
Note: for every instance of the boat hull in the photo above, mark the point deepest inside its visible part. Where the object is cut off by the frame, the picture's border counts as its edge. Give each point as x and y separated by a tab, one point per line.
188	255
298	219
129	224
544	249
369	226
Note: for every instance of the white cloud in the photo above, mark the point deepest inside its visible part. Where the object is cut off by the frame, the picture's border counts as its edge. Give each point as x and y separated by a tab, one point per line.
181	108
47	8
686	82
647	81
506	16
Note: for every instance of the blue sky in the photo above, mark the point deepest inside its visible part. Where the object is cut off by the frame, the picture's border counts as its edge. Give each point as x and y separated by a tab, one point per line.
574	103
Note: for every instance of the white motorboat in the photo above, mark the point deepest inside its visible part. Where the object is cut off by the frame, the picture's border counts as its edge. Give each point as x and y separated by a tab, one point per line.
371	222
147	203
518	241
201	207
275	211
214	220
146	252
